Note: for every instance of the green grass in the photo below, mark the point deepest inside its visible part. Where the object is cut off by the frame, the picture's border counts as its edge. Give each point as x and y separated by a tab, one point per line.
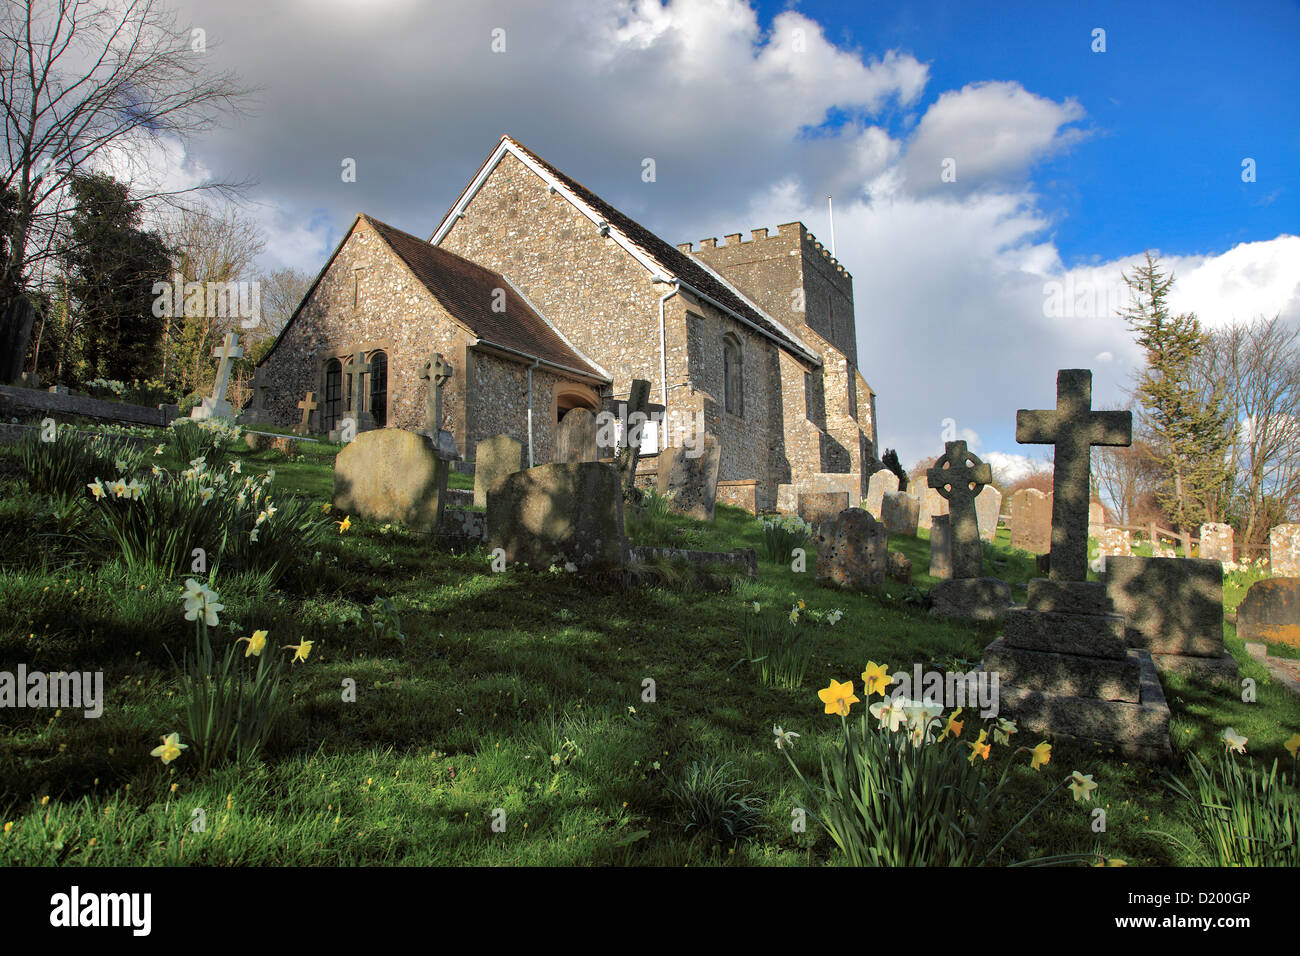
522	691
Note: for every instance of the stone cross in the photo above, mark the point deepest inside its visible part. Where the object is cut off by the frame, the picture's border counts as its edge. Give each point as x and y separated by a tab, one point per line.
1073	427
261	385
959	476
436	371
216	406
635	413
308	405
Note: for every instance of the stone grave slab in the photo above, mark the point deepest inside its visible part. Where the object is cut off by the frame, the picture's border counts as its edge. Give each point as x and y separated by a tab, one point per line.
898	513
1270	612
557	513
691	479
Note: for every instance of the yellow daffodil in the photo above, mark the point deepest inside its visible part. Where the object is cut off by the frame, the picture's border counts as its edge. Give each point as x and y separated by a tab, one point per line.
838	697
256	644
171	748
980	748
345	523
300	650
1233	740
325	508
1042	755
1293	746
1110	861
875	679
1081	786
953	726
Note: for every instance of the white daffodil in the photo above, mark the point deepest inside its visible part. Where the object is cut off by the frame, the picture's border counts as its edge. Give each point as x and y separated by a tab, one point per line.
201	600
890	712
784	737
1233	740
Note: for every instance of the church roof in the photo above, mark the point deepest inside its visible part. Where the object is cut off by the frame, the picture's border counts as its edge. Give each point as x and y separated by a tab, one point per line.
667	259
469	292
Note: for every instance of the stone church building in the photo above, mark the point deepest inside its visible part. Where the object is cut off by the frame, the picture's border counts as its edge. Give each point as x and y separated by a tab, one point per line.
544	298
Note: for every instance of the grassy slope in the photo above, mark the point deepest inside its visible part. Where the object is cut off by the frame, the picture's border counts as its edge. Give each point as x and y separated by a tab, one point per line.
498	672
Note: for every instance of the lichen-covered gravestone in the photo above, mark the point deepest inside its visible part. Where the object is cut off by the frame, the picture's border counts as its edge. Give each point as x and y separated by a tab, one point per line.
1031	521
931	503
1115	543
1062	661
391	475
559	513
852	551
1284	550
1270	612
575	437
495	458
1216	541
941	547
988	505
898	513
1173	608
880	483
690	476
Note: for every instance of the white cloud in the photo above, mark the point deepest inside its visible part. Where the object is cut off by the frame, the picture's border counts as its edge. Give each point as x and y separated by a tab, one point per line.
1010	468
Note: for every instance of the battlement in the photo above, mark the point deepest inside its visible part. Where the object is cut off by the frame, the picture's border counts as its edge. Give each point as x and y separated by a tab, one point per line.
785	235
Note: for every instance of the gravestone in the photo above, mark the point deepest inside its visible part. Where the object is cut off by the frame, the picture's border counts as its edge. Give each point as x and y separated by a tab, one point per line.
988	505
880	483
1096	518
1173	608
559	513
900	567
971	599
436	372
931	503
852	551
308	406
256	413
941	547
1216	541
495	458
692	481
818	506
1284	550
1073	428
215	405
575	437
388	474
1031	521
1063	662
1115	543
1270	612
959	476
898	513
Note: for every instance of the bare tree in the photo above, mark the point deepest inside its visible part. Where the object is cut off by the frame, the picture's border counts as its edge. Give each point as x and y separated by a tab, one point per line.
282	292
208	246
1260	363
85	86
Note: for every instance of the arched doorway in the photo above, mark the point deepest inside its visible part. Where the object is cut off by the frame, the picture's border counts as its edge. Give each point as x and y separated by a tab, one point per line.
570	395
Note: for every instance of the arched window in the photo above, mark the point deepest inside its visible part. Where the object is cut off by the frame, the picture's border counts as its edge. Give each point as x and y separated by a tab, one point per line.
333	394
733	376
379	388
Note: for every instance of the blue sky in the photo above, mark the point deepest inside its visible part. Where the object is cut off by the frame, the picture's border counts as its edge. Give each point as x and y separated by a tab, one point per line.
1069	163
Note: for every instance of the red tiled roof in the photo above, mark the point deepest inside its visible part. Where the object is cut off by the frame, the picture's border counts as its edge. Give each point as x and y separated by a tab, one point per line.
468	291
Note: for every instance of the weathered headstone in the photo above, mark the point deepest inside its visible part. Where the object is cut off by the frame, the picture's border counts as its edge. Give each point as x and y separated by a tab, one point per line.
495	458
575	437
692	480
1173	608
1284	550
941	547
817	506
1270	612
1096	518
880	483
216	406
900	567
1216	541
308	406
256	413
559	513
898	513
931	503
1063	663
1073	428
852	551
958	476
988	505
388	474
1031	521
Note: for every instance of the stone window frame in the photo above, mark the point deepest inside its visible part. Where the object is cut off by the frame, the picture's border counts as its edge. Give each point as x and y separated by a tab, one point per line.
335	350
733	344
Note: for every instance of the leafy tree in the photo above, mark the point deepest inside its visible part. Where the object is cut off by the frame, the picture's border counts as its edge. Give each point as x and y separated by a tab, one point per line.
112	267
1191	430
